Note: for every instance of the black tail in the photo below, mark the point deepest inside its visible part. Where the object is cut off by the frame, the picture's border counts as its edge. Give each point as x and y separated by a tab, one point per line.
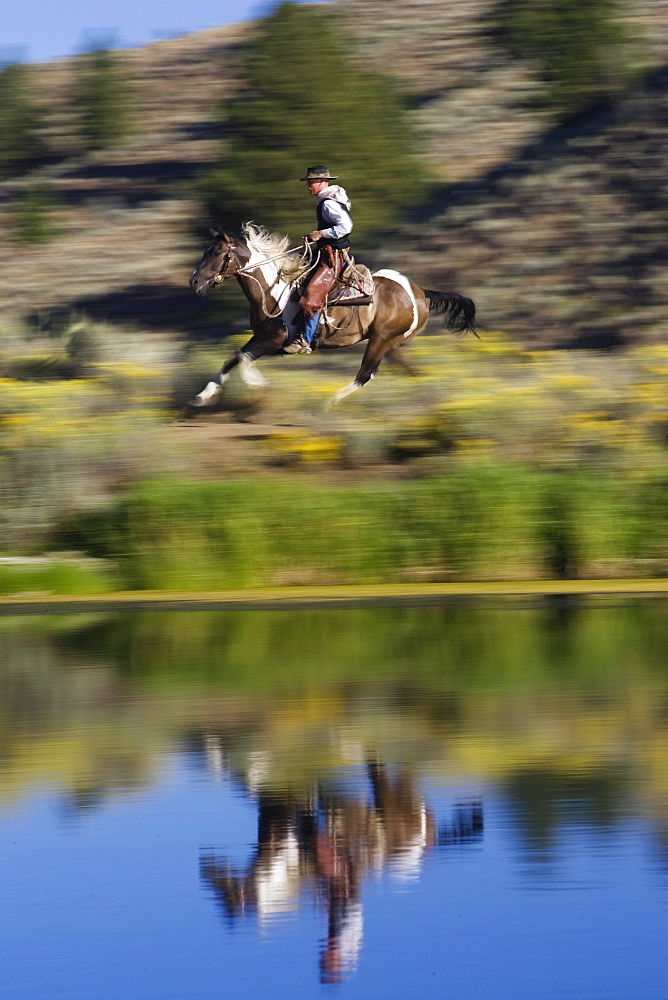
458	311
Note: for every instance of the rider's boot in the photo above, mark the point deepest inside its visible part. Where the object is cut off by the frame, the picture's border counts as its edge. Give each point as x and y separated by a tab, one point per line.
312	302
298	346
302	342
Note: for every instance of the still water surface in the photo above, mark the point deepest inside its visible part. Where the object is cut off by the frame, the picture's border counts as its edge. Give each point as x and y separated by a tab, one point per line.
467	801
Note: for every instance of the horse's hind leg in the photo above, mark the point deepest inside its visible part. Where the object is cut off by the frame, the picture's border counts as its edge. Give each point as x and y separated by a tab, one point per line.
374	354
397	357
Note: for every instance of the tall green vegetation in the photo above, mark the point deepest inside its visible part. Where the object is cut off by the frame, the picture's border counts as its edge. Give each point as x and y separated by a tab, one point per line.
578	47
21	143
488	521
103	99
305	101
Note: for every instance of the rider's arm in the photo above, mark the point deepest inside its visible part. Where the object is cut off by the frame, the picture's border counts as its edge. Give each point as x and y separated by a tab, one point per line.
340	223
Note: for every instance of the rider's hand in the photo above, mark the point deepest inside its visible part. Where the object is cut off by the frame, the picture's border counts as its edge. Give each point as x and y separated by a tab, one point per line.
315	235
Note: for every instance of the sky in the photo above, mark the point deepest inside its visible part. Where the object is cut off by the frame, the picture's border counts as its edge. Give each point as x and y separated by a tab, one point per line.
39	30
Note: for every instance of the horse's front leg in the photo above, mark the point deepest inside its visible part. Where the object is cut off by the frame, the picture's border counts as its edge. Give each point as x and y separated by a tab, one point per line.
245	357
249	374
270	341
213	389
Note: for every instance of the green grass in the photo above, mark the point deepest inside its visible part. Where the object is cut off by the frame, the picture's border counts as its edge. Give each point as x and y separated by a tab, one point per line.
497	463
494	522
55	577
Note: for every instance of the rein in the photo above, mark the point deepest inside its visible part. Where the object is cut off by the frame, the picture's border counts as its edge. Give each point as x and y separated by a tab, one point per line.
249	268
279	256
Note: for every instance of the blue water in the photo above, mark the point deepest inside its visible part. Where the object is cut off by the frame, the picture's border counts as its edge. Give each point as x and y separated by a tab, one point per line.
386	868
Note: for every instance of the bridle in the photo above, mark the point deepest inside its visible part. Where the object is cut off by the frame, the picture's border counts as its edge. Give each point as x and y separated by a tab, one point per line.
223	271
247	269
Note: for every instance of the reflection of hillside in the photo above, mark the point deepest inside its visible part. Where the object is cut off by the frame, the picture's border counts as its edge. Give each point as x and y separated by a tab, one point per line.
326	843
548	801
65	720
496	694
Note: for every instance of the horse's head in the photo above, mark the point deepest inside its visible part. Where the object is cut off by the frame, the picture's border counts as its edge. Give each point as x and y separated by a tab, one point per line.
223	259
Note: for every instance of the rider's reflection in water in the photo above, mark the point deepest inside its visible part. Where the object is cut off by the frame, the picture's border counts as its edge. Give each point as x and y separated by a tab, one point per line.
339	840
330	841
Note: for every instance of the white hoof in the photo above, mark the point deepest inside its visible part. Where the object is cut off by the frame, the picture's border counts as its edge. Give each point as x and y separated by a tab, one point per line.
342	393
208	395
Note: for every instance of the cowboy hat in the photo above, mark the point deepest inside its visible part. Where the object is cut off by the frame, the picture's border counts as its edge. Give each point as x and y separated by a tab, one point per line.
318	173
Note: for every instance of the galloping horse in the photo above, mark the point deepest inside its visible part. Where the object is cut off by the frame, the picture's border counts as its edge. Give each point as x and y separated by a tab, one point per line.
398	311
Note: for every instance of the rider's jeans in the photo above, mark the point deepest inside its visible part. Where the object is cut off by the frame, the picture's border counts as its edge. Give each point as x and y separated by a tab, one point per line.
310	326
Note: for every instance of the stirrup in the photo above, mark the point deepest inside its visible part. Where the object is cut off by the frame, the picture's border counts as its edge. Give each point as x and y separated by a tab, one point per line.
298	346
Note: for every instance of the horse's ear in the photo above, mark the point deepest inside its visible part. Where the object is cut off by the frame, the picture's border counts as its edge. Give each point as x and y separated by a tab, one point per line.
215	231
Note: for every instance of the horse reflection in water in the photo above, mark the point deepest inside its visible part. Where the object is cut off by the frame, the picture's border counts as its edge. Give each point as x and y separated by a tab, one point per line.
329	841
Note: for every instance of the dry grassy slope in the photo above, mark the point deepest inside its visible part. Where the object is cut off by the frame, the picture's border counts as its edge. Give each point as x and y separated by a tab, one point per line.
124	230
471	109
558	234
566	244
470	106
551	236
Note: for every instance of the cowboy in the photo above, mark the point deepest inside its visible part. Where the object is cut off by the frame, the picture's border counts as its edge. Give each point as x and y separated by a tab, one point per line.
331	238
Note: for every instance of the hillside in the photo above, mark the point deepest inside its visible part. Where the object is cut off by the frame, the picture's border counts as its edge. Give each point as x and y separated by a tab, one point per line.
557	232
125	250
564	245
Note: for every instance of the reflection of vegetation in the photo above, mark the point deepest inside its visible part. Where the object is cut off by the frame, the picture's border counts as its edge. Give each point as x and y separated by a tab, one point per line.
280	652
62	720
543	801
570	699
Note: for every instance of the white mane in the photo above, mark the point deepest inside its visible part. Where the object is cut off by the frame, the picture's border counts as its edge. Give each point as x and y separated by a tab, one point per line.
268	244
260	239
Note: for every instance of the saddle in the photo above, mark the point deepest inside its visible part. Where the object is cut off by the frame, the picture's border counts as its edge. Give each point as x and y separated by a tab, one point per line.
353	287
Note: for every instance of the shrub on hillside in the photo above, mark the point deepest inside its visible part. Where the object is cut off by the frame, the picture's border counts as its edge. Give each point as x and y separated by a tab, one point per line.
103	99
21	122
578	47
304	102
33	215
68	444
